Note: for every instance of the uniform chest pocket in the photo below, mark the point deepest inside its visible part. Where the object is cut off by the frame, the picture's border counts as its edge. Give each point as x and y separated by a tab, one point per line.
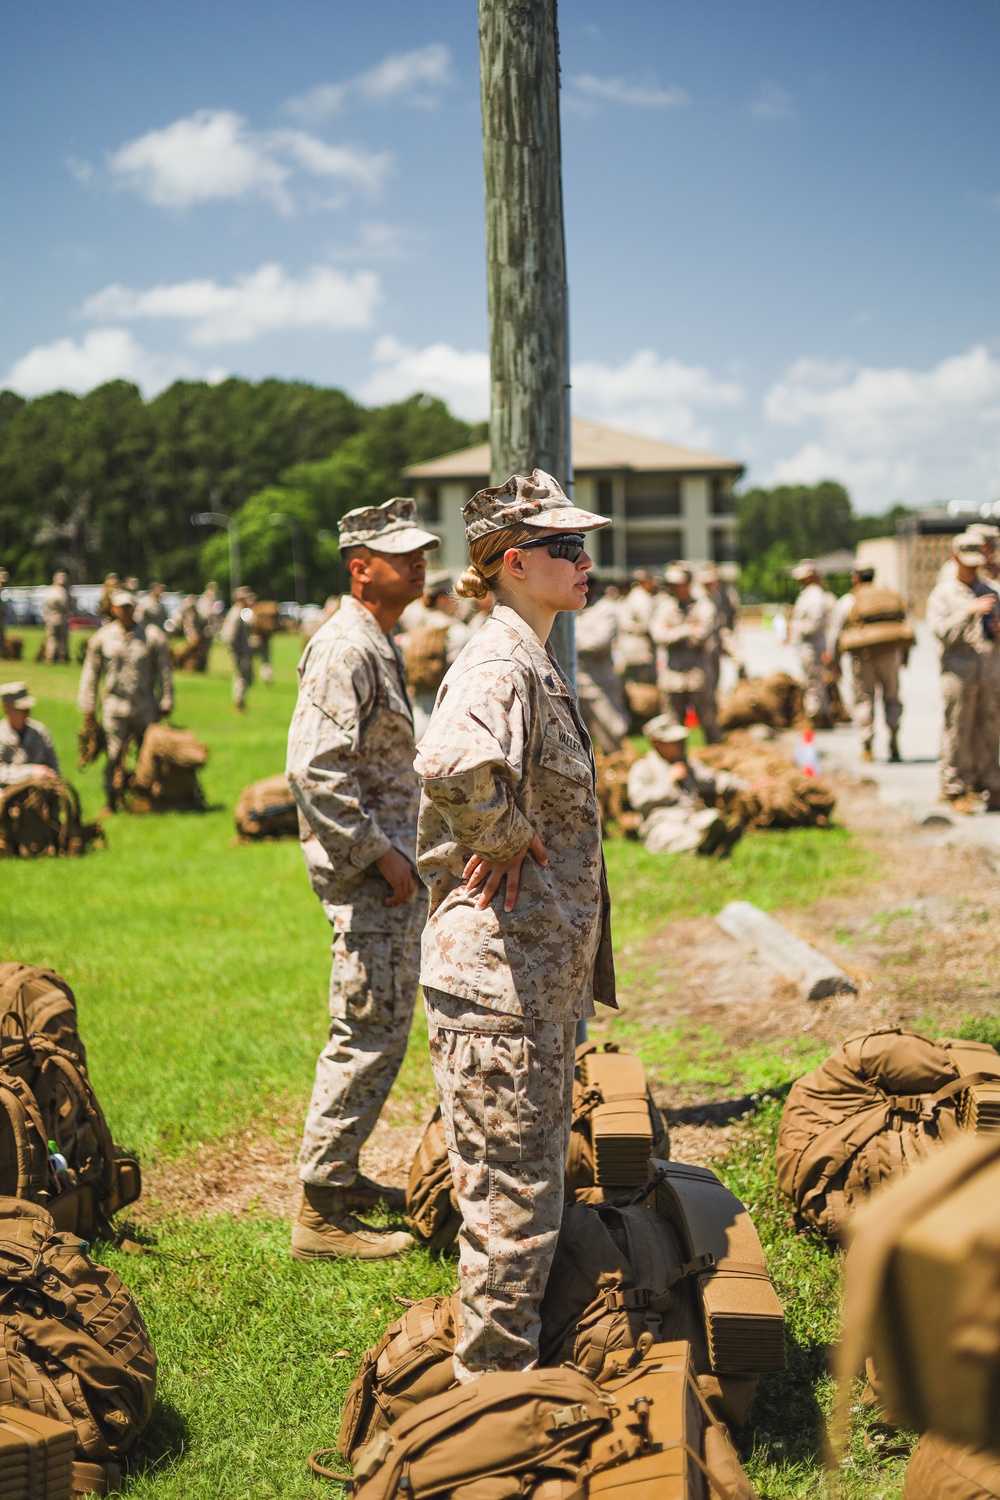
563	753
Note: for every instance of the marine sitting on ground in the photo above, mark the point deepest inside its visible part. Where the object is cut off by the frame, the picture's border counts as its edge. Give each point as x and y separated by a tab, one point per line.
26	749
677	796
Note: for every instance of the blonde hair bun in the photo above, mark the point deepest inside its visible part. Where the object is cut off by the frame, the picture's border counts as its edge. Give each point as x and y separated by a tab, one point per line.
472	584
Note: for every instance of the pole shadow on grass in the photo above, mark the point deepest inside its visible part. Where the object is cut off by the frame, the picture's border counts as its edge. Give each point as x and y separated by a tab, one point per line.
165	1440
786	1425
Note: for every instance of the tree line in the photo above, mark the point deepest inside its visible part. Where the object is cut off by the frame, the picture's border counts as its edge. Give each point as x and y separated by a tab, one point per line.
108	481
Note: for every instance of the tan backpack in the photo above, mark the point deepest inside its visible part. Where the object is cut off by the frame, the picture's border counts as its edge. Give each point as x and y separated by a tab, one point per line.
938	1470
491	1438
38	1000
877	618
410	1363
616	1128
425	657
267	810
165	778
44	818
73	1345
56	1150
882	1103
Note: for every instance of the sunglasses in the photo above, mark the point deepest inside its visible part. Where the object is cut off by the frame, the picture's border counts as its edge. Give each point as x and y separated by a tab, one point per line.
565	544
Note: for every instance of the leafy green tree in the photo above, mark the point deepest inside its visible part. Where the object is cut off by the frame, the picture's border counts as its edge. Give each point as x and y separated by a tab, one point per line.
809	519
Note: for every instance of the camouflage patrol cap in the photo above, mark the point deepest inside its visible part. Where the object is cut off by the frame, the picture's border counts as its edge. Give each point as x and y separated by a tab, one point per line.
122	598
969	548
803	570
664	730
676	574
391	528
16	695
538	500
989	533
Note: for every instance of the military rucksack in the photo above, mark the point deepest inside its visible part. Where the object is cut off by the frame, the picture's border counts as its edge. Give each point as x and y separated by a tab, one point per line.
425	657
616	1128
877	618
411	1362
73	1345
44	818
883	1102
56	1150
938	1470
267	810
165	778
38	1000
497	1437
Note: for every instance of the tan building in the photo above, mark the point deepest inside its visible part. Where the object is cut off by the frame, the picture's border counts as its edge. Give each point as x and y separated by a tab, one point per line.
666	502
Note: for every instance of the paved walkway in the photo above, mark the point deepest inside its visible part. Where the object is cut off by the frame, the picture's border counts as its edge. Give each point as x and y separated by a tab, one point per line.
912	785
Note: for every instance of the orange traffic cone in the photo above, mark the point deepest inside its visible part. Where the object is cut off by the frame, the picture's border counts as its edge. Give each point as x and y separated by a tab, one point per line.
690	719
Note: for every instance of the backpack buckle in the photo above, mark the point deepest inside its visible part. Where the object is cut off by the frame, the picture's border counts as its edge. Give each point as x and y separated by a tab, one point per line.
565	1417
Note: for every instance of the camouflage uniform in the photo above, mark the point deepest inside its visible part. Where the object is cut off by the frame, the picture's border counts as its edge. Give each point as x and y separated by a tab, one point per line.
152	611
350	767
688	679
455	633
55	618
598	685
970	668
807	629
3	616
21	753
507	757
635	644
138	686
235	634
677	816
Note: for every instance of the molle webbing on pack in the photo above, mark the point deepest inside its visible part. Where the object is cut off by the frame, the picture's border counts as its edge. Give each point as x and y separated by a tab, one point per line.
35	999
664	1441
620	1127
410	1363
979	1103
36	1456
922	1297
744	1321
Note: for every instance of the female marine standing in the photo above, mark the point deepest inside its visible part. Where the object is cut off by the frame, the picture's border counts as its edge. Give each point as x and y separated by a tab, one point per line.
517	945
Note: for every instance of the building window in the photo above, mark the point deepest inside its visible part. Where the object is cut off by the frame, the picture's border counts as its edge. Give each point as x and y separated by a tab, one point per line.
723	546
606	547
429	504
605	497
652	549
651	495
723	503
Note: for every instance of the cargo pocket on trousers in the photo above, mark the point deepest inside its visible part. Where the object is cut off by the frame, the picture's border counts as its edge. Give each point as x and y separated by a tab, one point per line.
361	981
495	1116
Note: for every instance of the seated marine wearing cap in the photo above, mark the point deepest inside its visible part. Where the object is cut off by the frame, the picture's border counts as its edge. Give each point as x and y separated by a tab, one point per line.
677	796
26	749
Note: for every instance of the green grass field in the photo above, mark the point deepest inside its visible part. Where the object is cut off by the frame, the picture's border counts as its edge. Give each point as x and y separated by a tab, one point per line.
201	971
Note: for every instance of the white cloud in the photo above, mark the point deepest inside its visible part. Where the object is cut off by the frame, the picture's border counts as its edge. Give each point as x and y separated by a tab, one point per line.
588	88
460	377
658	397
376	240
889	434
661	398
214	155
414	77
267	300
771	102
101	355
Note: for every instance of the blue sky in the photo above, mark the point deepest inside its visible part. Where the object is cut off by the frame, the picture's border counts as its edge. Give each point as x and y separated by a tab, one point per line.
783	218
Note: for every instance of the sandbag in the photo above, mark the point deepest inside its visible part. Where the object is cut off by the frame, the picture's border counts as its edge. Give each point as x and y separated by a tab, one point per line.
775	701
43	818
38	1000
879	1105
267	810
478	1440
410	1363
165	778
73	1344
921	1297
777	794
665	1443
56	1149
939	1470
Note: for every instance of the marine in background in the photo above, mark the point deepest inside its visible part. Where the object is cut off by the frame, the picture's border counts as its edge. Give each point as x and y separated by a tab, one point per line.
433	634
677	797
130	664
807	632
685	626
111	586
634	646
26	749
151	609
235	636
4	576
723	641
598	685
55	617
963	613
861	618
350	768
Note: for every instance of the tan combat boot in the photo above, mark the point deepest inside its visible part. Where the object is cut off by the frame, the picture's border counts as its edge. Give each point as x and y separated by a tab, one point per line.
327	1230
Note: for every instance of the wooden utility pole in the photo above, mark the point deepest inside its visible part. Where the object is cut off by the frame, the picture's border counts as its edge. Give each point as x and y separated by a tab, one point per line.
526	251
